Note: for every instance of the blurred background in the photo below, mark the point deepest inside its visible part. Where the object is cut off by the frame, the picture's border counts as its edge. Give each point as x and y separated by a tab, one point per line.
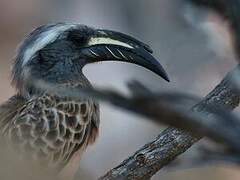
192	66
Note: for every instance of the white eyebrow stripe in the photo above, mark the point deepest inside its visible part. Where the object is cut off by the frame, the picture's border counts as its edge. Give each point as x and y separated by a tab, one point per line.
106	40
44	39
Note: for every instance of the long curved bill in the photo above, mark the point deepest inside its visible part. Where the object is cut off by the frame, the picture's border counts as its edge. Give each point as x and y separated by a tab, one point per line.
106	45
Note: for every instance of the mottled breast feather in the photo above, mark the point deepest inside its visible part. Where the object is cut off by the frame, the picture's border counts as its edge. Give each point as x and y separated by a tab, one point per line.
51	129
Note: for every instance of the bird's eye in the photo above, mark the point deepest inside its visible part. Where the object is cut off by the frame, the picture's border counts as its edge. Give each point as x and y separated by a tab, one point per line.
40	57
77	38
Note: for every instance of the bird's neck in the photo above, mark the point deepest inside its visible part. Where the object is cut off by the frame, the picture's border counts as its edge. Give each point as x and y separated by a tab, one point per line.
56	88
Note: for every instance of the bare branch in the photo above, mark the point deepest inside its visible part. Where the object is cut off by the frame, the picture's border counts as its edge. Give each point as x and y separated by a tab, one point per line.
171	109
172	142
168	108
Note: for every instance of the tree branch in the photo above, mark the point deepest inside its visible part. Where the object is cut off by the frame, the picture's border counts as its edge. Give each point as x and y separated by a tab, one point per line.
172	142
161	108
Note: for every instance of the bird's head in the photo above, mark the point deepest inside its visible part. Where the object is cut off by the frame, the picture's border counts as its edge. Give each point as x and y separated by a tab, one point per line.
57	53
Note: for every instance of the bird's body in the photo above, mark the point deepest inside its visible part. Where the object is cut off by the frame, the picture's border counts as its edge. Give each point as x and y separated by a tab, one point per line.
50	130
53	129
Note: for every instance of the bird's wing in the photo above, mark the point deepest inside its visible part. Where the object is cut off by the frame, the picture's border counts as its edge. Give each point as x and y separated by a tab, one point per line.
8	111
50	129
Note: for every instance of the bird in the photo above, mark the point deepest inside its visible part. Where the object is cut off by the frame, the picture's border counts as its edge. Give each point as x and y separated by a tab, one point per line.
54	129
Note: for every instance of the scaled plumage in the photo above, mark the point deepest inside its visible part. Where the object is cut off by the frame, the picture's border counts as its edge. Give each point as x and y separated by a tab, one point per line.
50	128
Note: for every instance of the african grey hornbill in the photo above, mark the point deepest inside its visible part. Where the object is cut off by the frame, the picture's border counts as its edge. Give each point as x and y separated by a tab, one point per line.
51	128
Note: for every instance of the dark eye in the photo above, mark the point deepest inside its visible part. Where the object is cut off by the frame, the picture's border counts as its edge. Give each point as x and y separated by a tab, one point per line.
40	57
77	38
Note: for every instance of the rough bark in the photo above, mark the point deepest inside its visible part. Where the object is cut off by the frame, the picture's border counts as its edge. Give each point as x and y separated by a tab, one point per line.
170	143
